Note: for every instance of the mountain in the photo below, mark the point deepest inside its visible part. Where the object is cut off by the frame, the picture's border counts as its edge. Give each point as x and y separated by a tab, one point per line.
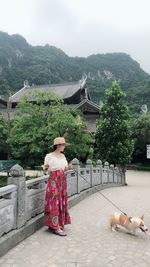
19	61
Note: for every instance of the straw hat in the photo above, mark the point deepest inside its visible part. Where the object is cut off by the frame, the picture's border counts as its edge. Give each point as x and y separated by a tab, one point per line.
59	141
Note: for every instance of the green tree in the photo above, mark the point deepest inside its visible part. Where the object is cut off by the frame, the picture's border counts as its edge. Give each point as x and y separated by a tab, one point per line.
37	124
3	137
67	122
113	134
141	135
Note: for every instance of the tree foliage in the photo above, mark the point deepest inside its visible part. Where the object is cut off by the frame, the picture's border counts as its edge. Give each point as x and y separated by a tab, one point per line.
113	134
141	135
37	124
3	137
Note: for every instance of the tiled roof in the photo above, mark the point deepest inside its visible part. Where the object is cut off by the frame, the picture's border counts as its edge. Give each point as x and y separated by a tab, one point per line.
89	102
64	90
3	101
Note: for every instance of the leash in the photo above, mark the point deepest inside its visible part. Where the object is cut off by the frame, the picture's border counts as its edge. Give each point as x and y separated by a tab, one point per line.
110	201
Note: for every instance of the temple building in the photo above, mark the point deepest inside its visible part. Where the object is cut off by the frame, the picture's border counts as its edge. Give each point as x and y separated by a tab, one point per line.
74	94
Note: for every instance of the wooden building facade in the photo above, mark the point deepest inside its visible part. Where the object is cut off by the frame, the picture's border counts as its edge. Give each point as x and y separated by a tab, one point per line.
75	94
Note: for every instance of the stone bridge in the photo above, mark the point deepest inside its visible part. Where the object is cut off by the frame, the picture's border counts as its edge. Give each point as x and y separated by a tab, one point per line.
89	242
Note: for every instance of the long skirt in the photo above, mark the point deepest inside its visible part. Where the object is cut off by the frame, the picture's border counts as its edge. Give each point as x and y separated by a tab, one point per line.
56	201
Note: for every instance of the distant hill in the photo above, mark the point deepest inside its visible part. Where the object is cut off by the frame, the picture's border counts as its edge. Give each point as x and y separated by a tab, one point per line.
20	61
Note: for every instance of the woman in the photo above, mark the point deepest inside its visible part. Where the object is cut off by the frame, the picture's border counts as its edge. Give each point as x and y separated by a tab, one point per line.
56	201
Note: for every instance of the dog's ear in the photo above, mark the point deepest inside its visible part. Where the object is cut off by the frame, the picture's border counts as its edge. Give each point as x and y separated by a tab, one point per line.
142	217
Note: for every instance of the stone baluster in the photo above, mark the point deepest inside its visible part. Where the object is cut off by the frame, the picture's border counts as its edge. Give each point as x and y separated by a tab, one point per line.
106	167
112	169
76	167
89	165
99	166
17	178
117	174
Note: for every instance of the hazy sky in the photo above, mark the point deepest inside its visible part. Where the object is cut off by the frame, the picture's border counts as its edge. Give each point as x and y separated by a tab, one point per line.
82	27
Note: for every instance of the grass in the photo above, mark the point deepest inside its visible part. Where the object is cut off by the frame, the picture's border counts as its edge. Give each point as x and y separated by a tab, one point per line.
143	167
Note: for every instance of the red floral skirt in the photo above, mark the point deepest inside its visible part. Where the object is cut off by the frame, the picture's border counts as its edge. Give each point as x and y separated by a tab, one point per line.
56	201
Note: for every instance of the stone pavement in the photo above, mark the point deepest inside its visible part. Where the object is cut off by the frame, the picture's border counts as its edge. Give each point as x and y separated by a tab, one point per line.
90	242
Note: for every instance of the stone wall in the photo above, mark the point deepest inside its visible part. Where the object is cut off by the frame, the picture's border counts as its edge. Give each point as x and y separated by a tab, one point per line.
22	202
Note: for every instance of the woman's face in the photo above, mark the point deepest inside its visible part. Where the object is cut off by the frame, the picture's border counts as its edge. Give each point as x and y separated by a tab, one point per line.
61	147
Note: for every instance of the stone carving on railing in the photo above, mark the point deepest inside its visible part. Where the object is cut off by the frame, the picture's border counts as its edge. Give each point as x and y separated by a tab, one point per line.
35	196
8	205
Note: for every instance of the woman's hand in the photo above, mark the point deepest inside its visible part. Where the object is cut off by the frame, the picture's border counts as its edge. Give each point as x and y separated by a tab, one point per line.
45	167
69	167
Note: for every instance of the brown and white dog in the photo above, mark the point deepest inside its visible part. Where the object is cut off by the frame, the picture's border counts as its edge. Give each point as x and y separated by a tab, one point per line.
130	223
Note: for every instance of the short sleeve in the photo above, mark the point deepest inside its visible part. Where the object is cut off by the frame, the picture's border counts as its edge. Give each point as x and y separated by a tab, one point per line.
47	159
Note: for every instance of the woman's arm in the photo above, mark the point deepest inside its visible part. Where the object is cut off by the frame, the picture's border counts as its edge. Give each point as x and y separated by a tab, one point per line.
46	162
68	167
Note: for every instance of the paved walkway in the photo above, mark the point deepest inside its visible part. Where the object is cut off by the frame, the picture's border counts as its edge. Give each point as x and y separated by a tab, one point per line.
90	243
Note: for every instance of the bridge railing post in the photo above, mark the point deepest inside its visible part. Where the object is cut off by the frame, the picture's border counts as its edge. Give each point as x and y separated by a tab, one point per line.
17	178
111	173
76	167
106	169
89	165
100	166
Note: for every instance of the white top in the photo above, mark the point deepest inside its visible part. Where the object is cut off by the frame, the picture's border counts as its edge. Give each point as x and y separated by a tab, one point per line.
55	163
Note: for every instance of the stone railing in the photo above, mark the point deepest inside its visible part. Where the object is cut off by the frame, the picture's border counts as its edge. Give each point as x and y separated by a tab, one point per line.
81	179
8	208
22	201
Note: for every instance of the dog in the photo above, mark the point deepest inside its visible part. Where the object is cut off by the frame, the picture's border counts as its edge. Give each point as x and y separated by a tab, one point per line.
130	223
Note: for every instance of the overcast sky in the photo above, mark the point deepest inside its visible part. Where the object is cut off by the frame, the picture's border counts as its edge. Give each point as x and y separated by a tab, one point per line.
82	27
